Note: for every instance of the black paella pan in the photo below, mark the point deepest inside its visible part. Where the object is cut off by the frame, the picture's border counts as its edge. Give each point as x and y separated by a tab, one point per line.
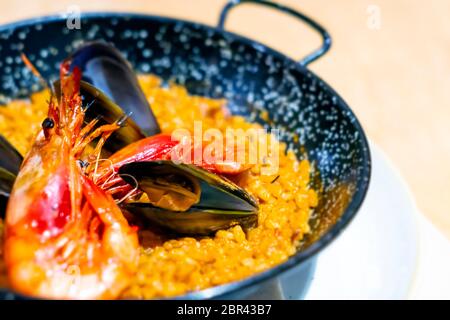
313	119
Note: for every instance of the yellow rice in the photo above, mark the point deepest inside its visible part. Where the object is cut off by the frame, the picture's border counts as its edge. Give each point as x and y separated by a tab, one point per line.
170	267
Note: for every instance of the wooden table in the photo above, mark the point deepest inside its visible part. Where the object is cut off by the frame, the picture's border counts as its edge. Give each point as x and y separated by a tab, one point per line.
390	61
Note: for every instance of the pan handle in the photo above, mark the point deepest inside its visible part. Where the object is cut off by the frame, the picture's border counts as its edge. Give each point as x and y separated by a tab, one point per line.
326	39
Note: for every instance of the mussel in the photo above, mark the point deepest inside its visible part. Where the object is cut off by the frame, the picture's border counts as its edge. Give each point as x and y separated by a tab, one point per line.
187	199
99	106
110	91
10	161
6	183
104	67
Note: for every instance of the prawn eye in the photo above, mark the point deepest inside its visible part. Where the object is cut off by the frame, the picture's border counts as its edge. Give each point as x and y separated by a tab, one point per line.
48	123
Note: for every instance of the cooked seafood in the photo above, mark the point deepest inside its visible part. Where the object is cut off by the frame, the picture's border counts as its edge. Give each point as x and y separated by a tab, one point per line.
102	110
105	68
66	238
102	167
187	199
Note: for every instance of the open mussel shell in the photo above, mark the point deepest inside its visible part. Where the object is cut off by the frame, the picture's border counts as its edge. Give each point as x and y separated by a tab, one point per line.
195	221
216	191
10	162
10	158
99	106
220	203
104	67
6	183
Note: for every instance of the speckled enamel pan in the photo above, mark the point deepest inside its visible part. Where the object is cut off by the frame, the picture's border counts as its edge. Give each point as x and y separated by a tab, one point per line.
313	119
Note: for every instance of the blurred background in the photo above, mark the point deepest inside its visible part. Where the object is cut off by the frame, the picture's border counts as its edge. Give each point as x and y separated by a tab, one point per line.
390	61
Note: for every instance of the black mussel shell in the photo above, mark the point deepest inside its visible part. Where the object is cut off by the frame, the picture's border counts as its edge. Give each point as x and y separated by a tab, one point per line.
10	162
6	183
195	221
99	106
216	191
222	203
104	67
10	158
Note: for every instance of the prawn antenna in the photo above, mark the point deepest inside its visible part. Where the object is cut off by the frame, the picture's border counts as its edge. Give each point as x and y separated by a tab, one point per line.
37	74
132	191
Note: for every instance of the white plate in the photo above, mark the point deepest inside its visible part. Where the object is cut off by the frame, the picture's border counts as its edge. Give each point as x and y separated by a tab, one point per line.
432	279
377	257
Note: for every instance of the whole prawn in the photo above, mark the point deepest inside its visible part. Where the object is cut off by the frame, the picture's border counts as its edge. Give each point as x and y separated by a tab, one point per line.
64	236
